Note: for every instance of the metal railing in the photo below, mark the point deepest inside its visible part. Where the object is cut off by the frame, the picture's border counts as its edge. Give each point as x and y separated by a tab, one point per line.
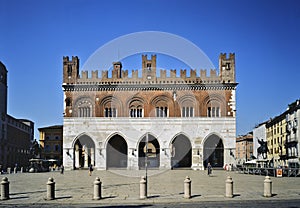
286	172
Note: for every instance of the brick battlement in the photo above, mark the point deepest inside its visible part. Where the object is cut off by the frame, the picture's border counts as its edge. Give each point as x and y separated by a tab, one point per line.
148	73
194	75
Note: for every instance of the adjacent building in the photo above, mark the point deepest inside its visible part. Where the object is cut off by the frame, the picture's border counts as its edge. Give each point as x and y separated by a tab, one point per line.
51	142
292	143
16	134
276	138
127	118
244	148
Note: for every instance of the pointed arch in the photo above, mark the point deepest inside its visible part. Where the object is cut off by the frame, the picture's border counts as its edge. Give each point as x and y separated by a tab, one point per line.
113	134
181	151
213	150
153	153
211	134
116	152
84	151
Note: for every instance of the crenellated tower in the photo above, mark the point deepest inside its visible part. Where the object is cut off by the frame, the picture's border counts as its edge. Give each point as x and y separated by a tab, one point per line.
227	67
117	71
70	70
149	67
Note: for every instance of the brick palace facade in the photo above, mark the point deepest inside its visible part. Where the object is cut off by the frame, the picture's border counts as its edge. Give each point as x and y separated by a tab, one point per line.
177	120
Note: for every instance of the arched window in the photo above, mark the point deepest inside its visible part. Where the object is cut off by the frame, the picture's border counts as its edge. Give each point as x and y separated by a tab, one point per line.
84	111
111	107
187	104
213	109
136	112
187	111
161	111
161	105
136	109
68	102
84	108
110	111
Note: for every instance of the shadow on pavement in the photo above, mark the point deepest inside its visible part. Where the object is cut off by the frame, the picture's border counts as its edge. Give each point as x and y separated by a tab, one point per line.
134	206
29	192
63	197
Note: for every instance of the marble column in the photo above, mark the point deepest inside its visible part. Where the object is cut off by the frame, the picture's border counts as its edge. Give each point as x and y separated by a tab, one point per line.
77	164
92	156
86	157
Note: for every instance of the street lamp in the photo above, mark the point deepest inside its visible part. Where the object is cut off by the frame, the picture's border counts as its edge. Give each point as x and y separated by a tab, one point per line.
146	155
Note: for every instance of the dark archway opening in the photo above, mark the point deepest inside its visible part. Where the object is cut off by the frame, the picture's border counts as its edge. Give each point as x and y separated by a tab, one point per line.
153	159
181	151
214	151
117	152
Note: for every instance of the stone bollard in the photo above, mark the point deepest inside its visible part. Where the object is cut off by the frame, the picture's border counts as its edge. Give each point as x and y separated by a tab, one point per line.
143	188
50	189
229	187
187	187
9	170
97	189
267	187
21	171
4	189
15	170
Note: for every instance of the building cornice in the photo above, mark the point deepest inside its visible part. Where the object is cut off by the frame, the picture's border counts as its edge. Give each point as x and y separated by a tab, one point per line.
148	87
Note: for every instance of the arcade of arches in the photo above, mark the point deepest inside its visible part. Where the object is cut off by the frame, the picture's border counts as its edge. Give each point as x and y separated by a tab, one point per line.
117	152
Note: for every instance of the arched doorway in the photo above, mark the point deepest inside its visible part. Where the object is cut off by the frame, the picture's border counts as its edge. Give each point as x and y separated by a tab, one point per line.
181	151
116	152
153	159
84	152
213	151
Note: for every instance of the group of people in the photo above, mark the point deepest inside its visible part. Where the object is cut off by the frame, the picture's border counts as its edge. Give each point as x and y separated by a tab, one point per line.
62	168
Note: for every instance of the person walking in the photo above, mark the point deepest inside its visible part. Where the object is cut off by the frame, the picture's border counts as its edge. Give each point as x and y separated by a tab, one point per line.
209	169
62	169
90	169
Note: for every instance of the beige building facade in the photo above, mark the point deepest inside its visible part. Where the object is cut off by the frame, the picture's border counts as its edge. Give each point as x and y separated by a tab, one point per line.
51	142
276	137
244	148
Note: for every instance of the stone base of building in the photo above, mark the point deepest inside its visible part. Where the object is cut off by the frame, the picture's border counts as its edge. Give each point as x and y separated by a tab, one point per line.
171	143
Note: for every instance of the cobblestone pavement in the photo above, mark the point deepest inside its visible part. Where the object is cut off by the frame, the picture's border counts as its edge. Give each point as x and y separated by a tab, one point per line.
121	187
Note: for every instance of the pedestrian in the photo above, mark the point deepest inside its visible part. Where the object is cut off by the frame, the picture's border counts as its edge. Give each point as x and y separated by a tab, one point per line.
90	169
62	169
209	169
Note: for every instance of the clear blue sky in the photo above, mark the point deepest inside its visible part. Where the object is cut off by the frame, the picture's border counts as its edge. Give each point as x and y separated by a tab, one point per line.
264	35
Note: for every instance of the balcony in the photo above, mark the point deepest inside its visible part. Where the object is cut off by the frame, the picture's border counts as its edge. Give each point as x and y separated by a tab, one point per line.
291	143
